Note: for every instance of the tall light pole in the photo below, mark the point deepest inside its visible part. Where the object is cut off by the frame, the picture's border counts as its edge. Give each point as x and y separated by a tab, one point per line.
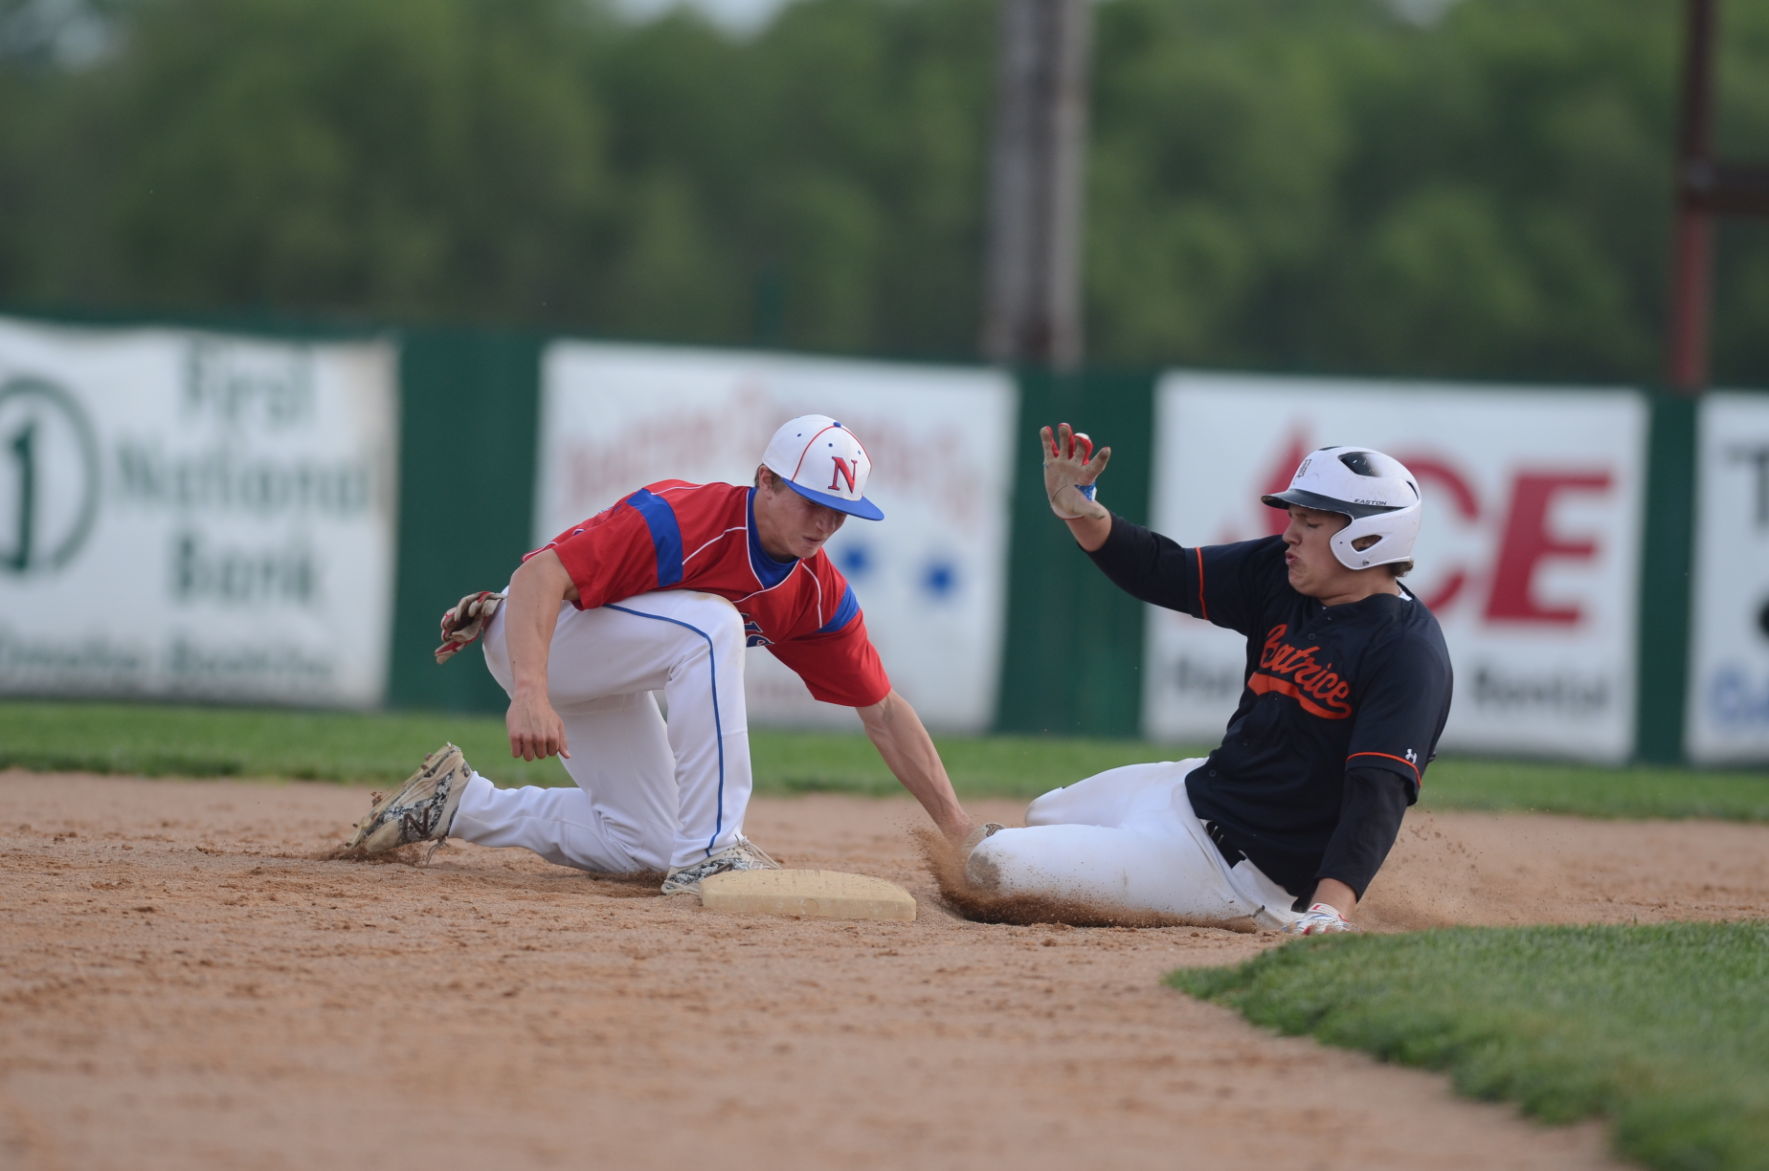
1032	313
1704	189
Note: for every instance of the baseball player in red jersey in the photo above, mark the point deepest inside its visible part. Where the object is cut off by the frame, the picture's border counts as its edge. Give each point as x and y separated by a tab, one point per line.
662	592
1347	689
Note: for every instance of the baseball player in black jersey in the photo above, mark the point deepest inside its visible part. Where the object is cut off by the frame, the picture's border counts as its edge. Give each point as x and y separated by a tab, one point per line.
1347	688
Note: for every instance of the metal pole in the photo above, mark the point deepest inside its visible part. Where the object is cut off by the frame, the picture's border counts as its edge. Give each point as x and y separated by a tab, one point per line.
1032	314
1692	262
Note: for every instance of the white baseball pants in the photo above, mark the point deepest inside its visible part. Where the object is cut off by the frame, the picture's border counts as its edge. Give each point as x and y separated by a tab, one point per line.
1127	839
650	794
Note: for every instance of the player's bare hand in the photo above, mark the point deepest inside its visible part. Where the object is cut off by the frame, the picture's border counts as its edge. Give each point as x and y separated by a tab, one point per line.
1071	467
1322	919
535	730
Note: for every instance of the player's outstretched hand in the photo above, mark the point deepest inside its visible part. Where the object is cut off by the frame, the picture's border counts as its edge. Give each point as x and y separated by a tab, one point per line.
535	730
1070	468
1322	919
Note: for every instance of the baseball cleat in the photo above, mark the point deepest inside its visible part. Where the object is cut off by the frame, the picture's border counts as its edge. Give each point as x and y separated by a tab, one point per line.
741	854
421	811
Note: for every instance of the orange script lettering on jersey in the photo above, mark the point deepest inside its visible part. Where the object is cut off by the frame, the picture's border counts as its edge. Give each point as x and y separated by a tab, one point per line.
1292	671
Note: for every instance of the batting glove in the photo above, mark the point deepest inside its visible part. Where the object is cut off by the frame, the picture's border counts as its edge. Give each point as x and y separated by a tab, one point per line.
1321	919
1070	469
464	622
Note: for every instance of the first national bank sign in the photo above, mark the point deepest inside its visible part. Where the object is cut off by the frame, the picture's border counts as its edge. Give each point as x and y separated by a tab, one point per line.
195	516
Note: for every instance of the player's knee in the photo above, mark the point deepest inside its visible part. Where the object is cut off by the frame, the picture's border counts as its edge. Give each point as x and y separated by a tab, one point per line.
725	626
717	626
983	868
706	632
1046	809
999	862
645	848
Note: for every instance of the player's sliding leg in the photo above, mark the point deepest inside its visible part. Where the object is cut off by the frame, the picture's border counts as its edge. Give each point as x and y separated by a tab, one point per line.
1109	869
1126	839
1115	797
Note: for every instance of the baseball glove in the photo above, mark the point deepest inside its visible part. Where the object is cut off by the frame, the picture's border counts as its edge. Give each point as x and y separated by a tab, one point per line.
464	622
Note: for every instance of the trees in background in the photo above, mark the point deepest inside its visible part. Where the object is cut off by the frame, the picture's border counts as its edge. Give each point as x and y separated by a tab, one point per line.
1310	185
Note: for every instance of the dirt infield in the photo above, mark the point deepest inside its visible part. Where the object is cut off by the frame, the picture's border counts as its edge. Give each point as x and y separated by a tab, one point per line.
185	982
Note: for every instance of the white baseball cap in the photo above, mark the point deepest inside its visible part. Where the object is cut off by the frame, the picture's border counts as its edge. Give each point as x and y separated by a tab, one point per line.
823	462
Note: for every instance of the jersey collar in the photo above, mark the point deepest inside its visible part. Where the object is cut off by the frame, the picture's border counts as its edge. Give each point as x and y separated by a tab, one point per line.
768	571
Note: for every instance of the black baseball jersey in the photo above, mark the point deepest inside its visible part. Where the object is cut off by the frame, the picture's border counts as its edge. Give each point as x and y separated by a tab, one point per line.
1340	713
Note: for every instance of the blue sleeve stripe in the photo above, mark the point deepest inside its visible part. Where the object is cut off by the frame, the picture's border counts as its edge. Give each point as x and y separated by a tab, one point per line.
666	534
844	613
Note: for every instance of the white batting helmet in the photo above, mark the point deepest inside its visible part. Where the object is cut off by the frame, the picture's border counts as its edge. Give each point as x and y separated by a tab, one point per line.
1376	491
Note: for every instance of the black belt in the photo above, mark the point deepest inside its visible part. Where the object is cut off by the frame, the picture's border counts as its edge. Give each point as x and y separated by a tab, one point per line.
1231	853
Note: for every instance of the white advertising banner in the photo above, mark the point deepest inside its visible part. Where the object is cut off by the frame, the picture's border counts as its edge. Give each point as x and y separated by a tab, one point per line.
930	577
1529	553
1728	707
195	516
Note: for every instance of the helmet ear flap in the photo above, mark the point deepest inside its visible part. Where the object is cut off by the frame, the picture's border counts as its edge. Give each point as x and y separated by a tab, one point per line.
1394	531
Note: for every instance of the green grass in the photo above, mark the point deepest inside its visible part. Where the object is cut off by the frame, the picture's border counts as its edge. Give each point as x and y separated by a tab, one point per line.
1594	791
380	747
1660	1030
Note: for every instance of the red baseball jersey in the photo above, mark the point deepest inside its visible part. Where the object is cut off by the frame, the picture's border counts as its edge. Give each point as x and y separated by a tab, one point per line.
673	535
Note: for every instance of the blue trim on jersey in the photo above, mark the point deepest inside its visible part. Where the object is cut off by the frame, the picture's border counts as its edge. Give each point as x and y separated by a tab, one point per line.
666	534
767	570
844	613
712	661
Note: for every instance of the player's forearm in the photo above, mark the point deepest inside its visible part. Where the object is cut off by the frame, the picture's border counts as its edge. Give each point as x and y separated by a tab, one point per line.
1090	532
1369	821
1147	566
908	751
531	612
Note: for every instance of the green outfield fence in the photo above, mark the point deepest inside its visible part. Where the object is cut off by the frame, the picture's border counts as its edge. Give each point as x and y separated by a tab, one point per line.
1072	659
469	406
1666	554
